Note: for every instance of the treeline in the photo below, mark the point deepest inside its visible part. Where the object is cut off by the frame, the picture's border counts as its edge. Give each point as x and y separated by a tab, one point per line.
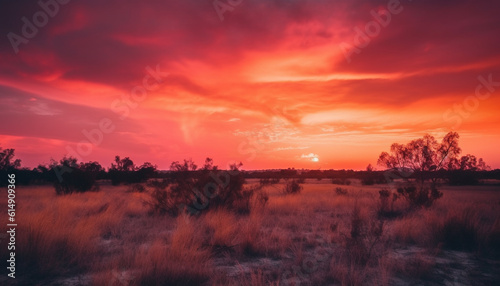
125	171
422	160
68	175
345	177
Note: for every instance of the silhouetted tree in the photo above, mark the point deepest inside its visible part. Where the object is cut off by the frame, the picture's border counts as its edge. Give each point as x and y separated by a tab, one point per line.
426	159
422	156
124	164
125	171
7	164
7	161
466	170
369	176
77	177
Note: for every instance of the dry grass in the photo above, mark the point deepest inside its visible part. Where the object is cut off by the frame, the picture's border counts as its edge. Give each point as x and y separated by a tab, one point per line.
317	237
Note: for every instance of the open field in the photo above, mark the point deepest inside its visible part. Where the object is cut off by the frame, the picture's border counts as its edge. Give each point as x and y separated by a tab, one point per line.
317	237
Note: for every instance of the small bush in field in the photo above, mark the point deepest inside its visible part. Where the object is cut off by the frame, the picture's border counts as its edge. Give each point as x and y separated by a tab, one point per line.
362	239
194	190
386	203
340	191
292	187
137	188
419	196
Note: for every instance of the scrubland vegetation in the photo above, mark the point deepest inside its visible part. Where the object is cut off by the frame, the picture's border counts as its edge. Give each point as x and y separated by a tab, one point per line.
319	236
131	225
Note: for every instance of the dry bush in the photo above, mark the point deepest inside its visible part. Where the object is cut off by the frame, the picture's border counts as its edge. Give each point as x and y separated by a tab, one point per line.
73	177
386	204
292	187
162	202
351	266
419	196
193	190
340	191
365	233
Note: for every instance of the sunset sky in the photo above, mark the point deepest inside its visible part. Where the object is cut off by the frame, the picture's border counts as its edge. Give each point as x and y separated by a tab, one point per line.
273	84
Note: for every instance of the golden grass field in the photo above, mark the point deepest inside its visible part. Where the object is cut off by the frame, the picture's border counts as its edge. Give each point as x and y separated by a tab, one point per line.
109	238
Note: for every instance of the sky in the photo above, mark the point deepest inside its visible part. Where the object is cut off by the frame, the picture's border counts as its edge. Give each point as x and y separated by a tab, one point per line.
272	84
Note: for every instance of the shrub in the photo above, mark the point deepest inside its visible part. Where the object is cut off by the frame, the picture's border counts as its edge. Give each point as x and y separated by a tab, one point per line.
124	171
163	203
419	196
292	187
386	203
195	190
364	235
261	199
359	251
340	191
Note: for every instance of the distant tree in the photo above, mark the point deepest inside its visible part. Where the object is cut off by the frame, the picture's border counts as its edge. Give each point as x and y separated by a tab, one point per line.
78	177
194	189
422	156
125	171
124	164
7	164
292	187
369	176
466	170
426	158
189	165
92	167
7	161
147	170
468	163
